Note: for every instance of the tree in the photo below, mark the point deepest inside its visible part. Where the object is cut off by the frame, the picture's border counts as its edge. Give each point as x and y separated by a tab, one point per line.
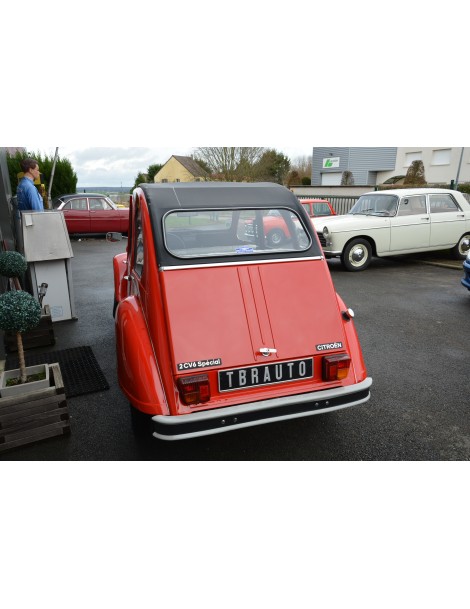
147	178
293	179
65	178
152	172
416	174
273	166
19	311
142	178
229	164
347	178
303	166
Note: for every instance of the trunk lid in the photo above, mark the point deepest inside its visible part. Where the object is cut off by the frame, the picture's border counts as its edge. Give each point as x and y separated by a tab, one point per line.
221	317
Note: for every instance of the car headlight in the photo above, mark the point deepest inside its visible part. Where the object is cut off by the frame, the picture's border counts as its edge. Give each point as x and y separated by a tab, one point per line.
326	232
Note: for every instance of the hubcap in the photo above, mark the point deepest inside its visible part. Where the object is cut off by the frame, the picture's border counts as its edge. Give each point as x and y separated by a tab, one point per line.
276	238
465	245
358	254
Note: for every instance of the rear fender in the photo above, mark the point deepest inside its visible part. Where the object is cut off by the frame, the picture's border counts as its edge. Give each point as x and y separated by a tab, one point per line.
354	345
138	372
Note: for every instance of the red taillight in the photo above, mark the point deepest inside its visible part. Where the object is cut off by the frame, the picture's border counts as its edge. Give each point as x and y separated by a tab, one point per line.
336	367
194	389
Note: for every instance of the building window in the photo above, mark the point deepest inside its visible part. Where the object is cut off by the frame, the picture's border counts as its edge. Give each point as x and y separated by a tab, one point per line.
164	181
441	157
412	156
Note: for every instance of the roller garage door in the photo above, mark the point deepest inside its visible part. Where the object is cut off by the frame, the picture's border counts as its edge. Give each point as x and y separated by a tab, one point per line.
331	178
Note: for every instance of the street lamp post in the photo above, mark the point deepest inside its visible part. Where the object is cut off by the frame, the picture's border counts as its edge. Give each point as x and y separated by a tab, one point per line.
49	194
458	171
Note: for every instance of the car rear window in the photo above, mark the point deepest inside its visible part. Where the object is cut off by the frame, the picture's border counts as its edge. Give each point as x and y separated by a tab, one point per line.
236	232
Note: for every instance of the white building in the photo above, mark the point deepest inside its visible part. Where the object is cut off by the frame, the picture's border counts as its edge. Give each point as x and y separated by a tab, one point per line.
373	166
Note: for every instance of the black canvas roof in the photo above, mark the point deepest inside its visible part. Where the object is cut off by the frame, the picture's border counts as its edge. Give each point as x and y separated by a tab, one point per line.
163	198
210	195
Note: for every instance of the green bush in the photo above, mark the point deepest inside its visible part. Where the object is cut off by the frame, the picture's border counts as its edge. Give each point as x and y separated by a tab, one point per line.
19	312
12	264
464	188
306	181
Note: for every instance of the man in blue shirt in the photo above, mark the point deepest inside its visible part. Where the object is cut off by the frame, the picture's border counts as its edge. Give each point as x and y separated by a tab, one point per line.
28	195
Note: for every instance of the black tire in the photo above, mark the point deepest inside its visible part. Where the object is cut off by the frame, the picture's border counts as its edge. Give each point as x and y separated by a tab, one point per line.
141	424
460	251
275	238
357	255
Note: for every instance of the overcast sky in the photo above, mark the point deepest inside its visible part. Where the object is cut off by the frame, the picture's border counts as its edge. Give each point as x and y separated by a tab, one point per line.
119	166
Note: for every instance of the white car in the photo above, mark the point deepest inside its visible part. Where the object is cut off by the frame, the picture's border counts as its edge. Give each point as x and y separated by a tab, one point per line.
393	222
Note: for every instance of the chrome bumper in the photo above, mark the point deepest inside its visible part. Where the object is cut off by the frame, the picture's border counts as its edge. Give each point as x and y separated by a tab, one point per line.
221	420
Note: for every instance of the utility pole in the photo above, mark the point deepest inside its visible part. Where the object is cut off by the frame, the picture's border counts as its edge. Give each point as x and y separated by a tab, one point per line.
49	197
458	171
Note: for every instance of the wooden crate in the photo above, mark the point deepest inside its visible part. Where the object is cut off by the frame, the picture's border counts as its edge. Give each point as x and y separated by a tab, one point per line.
35	416
41	336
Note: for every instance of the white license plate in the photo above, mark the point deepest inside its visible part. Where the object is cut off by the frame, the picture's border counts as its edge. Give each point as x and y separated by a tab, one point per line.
267	374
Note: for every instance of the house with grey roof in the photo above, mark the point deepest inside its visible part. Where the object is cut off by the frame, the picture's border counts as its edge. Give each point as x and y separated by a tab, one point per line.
181	169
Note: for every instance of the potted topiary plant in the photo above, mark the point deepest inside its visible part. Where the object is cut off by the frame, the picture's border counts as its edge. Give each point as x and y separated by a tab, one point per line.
19	312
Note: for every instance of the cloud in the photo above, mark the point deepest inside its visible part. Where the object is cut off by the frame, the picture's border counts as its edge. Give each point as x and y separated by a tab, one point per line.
116	166
102	166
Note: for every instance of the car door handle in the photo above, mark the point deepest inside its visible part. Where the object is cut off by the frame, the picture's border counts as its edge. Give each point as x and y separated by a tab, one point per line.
425	219
460	215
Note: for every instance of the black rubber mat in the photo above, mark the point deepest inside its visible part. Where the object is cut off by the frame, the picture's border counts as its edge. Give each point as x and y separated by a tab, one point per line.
80	370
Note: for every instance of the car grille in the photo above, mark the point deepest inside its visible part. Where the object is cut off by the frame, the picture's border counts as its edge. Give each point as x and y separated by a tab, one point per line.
322	239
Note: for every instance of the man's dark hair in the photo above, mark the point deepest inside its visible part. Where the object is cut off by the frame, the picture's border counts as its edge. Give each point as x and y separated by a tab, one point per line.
28	164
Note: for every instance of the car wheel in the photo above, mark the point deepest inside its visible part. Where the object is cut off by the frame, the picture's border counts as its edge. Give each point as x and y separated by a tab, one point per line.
460	251
357	255
141	424
275	238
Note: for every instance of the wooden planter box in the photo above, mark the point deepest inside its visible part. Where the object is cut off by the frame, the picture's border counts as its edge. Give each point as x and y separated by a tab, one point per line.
41	336
35	416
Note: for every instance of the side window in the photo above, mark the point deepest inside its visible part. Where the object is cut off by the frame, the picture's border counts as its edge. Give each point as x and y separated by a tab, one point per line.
442	204
321	209
138	242
97	204
413	206
76	205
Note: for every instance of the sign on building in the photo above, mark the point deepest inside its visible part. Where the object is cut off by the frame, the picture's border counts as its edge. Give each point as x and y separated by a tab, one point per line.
331	163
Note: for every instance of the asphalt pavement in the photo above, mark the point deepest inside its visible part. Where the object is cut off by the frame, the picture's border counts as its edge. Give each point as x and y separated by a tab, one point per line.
411	317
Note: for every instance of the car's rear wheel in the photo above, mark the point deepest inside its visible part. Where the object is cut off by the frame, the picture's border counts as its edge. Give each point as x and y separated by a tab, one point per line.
357	255
460	251
275	238
141	424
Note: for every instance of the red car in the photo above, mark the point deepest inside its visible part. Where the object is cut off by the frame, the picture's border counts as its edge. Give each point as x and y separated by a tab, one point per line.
318	207
216	332
91	213
275	229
